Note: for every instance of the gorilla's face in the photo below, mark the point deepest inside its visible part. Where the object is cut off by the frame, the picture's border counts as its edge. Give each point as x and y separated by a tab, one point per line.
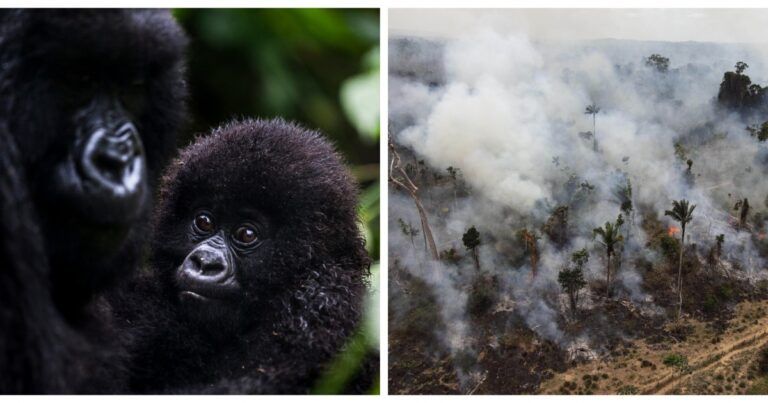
90	182
95	118
102	175
89	161
251	216
222	252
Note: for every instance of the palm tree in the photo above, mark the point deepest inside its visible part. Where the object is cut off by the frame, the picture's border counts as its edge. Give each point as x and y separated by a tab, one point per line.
471	240
740	67
593	110
681	212
610	237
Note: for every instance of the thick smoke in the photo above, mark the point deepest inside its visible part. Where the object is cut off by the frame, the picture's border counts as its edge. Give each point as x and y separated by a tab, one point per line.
510	114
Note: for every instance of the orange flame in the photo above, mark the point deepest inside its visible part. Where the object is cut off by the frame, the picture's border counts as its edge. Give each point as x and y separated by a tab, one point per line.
672	230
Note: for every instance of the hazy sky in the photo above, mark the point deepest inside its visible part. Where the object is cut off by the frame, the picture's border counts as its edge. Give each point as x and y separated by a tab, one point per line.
704	25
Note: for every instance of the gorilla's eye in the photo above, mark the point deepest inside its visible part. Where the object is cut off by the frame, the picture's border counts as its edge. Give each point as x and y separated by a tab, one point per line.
204	223
246	235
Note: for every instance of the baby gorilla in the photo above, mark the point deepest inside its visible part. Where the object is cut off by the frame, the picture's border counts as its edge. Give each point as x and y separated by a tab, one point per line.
258	268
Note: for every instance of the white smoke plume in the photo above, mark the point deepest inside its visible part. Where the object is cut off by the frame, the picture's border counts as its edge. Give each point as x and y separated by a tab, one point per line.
510	114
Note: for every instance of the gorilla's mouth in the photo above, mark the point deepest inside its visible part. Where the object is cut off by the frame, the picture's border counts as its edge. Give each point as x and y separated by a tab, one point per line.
215	314
205	294
191	295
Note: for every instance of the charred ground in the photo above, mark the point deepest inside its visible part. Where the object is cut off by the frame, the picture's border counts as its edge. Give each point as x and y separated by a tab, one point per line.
487	314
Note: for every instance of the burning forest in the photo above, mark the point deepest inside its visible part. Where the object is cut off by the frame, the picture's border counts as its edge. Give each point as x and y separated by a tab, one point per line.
562	212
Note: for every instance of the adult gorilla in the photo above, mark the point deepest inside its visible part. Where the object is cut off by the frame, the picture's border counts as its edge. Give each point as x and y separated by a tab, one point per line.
89	104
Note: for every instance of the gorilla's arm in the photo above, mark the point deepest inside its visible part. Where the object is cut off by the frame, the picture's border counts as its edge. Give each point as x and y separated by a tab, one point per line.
26	312
286	379
33	358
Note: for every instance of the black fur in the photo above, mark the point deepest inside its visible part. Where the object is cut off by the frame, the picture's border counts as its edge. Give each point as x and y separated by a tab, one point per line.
56	335
303	298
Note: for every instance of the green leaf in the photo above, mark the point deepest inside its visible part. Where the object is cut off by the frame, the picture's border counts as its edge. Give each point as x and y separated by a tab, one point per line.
360	98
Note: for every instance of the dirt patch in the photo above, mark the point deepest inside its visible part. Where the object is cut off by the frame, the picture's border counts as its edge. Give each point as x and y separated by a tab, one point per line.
704	362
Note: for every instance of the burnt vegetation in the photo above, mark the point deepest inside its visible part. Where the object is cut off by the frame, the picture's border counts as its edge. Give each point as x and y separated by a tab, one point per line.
538	292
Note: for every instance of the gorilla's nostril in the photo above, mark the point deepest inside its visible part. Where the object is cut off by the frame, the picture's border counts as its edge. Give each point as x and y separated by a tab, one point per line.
114	159
197	262
207	264
212	268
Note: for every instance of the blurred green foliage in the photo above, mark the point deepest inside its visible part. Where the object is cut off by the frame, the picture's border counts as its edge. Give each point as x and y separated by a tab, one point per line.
318	67
282	62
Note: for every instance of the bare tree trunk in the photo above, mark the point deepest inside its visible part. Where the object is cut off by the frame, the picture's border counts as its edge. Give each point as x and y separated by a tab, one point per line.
477	258
608	276
574	301
594	132
405	183
425	227
680	273
530	243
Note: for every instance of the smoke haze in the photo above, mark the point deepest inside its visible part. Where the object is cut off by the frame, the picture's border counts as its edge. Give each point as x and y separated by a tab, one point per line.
509	112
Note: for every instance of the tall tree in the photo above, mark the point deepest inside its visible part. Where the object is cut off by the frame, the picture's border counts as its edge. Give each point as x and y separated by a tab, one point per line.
593	110
743	213
682	212
530	240
624	193
610	238
571	279
471	241
713	257
400	178
719	239
455	174
556	226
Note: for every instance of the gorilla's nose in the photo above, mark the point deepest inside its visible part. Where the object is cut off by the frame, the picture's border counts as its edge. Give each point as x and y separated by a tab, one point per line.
118	150
206	264
114	158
